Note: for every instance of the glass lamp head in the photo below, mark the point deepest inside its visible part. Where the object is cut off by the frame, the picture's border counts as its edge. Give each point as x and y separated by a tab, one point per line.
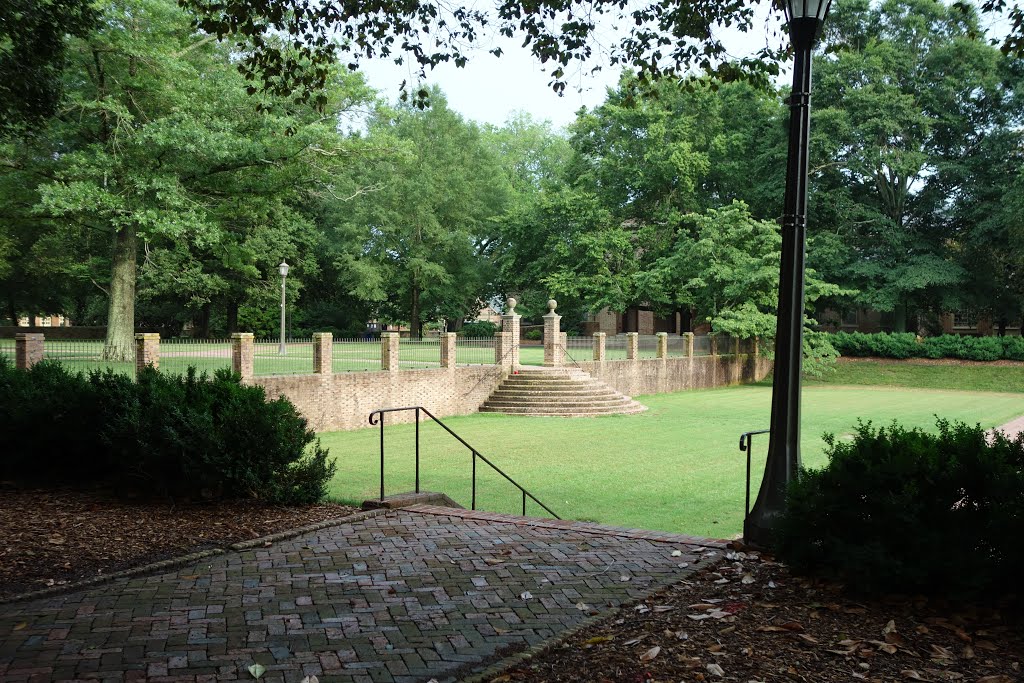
283	268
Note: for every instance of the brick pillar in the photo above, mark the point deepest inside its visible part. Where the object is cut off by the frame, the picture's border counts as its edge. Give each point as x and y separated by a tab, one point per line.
713	344
552	338
502	348
510	325
389	351
323	353
147	351
688	344
243	351
28	349
755	347
632	345
599	340
448	349
663	345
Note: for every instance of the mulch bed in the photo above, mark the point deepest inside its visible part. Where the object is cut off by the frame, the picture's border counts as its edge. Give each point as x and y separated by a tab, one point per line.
748	619
54	537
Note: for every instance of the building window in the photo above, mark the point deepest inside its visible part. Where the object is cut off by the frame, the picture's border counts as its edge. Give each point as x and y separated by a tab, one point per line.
964	320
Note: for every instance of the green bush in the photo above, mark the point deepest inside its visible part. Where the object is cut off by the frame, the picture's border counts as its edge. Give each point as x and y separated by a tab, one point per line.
478	328
906	345
533	335
910	511
186	436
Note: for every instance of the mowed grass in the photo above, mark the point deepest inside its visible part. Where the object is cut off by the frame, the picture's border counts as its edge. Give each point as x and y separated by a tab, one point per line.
970	377
676	467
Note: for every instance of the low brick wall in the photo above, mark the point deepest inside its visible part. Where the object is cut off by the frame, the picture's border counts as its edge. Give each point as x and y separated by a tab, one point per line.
344	401
661	375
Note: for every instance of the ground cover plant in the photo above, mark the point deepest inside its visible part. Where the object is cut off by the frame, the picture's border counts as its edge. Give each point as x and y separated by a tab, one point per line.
675	467
909	345
192	436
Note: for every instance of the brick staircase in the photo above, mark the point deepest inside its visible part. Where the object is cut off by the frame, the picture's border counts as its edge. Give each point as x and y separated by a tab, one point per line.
563	392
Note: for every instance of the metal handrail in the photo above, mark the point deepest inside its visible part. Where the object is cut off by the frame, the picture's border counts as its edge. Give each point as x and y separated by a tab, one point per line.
377	417
745	445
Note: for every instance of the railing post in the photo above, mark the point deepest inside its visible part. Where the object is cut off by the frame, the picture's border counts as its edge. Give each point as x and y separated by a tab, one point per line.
323	351
382	456
632	345
663	345
553	346
755	347
473	505
243	353
688	344
713	344
510	326
599	346
448	353
524	501
147	351
28	349
389	351
735	346
417	449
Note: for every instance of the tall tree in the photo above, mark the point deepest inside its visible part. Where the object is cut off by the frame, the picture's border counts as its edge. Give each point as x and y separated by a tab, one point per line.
429	224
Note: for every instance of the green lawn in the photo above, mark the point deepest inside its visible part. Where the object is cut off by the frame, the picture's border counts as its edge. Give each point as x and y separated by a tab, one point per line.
675	467
976	377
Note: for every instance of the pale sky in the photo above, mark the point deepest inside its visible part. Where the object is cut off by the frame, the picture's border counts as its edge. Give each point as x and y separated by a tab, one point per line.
491	88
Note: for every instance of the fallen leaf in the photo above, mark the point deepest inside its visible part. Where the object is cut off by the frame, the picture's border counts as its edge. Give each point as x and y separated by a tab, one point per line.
792	626
913	675
701	605
889	628
650	654
597	640
940	652
57	540
771	629
625	578
677	553
493	560
888	648
634	641
747	578
314	679
257	670
663	608
968	652
715	670
997	678
986	645
20	625
811	640
526	595
698	617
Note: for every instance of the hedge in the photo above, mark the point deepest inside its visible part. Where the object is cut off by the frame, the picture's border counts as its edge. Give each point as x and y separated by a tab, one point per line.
908	345
191	436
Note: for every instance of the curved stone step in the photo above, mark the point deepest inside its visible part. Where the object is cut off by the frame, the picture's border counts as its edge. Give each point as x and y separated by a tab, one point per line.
530	412
541	401
556	391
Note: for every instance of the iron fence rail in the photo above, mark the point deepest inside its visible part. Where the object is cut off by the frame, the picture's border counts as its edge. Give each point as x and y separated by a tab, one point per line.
474	350
177	355
297	358
377	417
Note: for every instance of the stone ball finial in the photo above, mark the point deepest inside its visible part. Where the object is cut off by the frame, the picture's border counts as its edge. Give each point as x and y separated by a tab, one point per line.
552	305
511	303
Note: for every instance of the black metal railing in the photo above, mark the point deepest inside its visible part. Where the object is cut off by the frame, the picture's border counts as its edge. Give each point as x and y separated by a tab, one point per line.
745	446
377	417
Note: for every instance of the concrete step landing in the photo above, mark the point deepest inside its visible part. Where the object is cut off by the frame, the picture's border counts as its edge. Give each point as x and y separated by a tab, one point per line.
557	392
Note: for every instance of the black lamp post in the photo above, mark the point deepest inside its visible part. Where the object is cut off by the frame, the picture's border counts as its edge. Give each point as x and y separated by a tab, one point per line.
806	18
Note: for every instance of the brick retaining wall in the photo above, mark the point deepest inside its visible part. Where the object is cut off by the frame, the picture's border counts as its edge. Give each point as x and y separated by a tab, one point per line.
344	400
661	375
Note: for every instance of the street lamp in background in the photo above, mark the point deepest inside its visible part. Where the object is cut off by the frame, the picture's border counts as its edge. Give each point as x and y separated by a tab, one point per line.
283	270
806	18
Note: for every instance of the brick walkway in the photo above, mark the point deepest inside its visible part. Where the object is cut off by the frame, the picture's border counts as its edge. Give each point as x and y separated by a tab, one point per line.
410	595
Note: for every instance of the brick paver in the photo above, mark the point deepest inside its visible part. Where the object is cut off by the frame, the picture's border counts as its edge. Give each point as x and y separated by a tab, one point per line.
407	596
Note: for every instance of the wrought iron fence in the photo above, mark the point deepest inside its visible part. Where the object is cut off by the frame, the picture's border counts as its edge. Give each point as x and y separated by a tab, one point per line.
205	355
424	352
474	350
355	355
647	346
88	355
701	345
7	349
295	358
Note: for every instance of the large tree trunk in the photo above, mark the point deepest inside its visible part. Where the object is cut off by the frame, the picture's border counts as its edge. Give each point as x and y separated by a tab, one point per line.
1003	322
120	342
232	315
204	321
899	315
415	327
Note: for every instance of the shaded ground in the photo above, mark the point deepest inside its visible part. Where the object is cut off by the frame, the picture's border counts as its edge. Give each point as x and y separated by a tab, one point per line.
750	620
399	596
51	537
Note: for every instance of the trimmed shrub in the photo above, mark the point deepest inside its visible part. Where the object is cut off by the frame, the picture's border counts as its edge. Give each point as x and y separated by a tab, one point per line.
906	345
189	436
533	335
911	511
478	328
